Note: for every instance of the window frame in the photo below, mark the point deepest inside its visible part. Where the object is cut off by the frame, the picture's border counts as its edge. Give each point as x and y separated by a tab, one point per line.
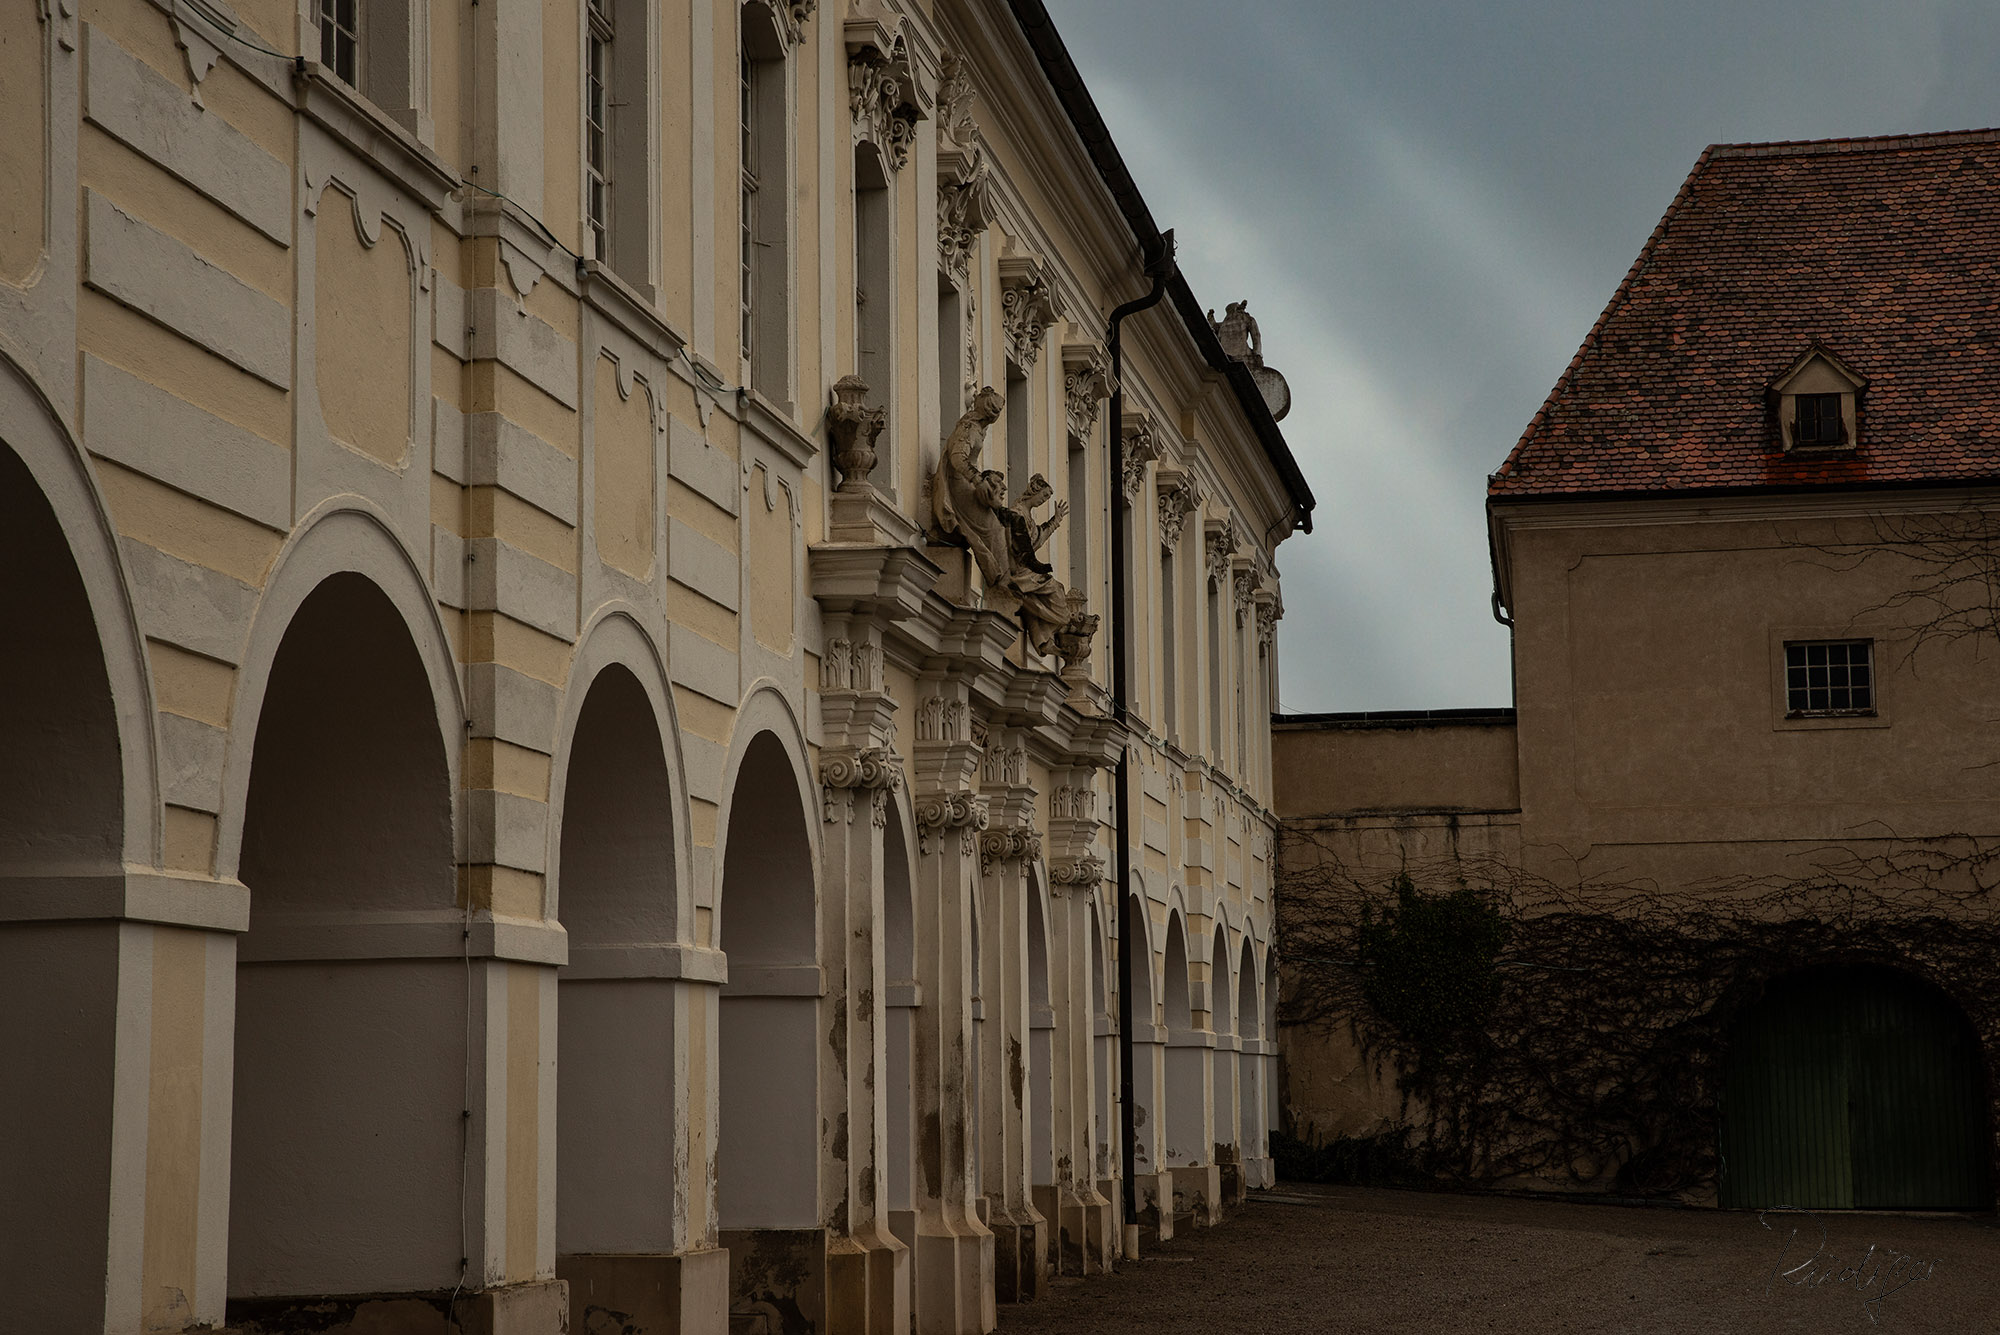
1785	719
326	19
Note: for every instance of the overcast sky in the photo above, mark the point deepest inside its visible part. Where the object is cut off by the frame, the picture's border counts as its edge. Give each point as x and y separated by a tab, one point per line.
1427	204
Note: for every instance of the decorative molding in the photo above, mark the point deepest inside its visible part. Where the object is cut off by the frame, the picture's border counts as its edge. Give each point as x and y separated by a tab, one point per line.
941	720
846	771
954	103
792	16
1086	383
1270	611
852	428
1141	448
1004	845
1084	871
1028	306
881	90
848	666
964	209
1005	765
1220	546
1074	803
1180	495
940	813
1247	579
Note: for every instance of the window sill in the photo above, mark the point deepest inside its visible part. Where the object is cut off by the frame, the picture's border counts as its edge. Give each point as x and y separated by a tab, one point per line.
1818	722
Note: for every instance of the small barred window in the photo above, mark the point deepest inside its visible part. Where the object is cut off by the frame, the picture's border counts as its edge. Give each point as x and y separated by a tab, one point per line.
1829	677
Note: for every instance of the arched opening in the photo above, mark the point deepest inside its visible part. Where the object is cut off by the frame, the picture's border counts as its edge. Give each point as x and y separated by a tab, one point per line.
1222	1060
1249	1059
1041	1100
351	1024
904	996
61	814
617	1098
767	1153
1855	1087
1148	1051
1104	1058
1186	1058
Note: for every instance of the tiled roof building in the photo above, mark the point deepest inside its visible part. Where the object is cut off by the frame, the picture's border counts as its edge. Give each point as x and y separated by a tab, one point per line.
1882	251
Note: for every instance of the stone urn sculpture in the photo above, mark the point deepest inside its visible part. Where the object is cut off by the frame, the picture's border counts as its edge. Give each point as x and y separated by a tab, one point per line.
852	427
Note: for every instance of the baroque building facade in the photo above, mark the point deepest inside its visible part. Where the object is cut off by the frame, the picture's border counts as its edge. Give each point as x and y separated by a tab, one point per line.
611	656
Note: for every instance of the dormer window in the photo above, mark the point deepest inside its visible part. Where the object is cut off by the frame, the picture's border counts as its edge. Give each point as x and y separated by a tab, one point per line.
1818	423
1816	401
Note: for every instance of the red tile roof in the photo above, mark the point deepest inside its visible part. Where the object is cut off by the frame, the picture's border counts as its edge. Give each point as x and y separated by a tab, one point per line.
1885	251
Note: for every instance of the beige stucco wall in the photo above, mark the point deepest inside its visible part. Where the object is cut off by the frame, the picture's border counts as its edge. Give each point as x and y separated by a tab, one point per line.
1323	766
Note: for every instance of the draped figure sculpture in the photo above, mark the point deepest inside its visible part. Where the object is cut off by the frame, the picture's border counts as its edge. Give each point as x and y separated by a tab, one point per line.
969	509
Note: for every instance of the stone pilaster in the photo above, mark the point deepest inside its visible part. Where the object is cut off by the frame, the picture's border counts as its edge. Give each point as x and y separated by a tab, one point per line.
1008	848
953	1249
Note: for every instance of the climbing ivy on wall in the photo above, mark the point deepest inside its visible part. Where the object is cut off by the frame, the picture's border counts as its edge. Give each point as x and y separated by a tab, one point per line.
1551	1032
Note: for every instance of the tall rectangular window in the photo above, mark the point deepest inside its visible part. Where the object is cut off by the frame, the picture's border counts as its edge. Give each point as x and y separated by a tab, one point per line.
1170	703
1214	674
1019	446
1079	518
597	128
951	355
340	39
874	292
747	287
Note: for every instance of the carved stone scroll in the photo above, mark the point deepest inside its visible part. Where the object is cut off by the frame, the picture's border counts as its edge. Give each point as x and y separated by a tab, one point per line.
1028	306
1086	383
1180	496
1141	448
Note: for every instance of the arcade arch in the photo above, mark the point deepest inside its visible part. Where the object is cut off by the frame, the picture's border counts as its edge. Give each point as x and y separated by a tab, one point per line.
351	1032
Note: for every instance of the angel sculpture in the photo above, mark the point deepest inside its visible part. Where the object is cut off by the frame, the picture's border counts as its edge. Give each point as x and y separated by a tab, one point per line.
969	506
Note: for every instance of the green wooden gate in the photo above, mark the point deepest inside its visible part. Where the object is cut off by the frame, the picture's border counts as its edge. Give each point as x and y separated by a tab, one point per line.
1854	1087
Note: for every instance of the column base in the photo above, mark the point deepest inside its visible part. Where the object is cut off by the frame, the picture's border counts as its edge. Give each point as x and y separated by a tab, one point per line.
1198	1193
954	1280
867	1285
684	1293
1020	1257
1260	1174
539	1307
1154	1195
1080	1229
1112	1245
1234	1188
777	1280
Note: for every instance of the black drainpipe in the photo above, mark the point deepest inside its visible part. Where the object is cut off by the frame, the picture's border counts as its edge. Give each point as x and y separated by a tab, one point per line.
1160	268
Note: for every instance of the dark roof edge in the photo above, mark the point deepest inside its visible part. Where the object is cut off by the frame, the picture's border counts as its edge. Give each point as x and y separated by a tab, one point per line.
1879	143
1398	718
1063	77
1953	484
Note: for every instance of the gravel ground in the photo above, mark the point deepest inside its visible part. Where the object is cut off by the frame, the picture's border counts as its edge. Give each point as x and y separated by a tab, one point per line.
1309	1258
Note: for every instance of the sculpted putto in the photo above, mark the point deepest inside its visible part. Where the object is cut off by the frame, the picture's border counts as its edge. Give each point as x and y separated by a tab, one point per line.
970	510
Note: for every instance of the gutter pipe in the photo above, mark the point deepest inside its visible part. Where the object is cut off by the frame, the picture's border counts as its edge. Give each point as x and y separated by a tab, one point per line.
1160	268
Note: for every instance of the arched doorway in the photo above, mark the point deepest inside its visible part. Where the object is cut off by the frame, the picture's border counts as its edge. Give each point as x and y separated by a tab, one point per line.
1041	1099
900	1019
1249	1067
1186	1059
351	1025
1855	1087
767	1151
1225	1138
61	816
618	1101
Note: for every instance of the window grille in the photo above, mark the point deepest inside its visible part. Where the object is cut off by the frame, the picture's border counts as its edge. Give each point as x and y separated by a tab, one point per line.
1829	677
